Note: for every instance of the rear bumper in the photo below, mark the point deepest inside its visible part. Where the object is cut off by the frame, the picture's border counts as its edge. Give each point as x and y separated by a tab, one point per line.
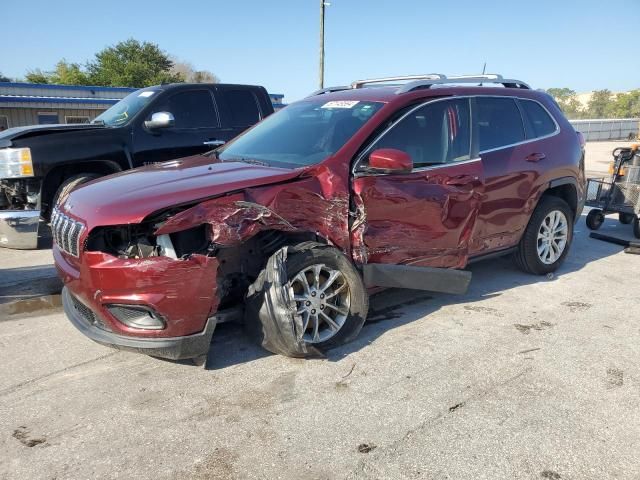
174	348
19	229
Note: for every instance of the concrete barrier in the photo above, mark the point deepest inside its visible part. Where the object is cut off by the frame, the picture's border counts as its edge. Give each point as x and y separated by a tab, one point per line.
608	128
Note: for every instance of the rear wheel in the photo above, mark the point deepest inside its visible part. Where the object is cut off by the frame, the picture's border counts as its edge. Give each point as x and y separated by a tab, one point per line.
626	218
547	238
308	299
70	183
595	219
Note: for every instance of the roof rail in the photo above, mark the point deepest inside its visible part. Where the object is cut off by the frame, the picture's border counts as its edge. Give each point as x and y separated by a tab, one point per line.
429	76
487	78
416	82
328	90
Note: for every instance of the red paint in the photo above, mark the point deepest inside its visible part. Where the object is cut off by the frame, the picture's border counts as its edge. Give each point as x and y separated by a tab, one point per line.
390	159
435	217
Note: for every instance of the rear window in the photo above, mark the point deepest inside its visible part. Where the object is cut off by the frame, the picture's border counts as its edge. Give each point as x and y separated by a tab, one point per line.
539	121
499	123
243	108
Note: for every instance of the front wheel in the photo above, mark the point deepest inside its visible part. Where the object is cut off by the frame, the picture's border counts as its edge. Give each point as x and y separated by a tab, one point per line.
71	183
595	219
547	238
308	299
636	227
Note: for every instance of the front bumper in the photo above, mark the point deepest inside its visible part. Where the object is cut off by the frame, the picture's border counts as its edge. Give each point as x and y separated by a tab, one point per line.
182	292
174	348
19	229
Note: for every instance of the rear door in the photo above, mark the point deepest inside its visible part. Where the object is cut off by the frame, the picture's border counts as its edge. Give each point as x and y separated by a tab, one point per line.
196	125
427	216
239	109
512	157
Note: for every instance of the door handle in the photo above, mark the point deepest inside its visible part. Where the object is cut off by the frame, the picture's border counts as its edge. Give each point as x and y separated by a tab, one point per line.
461	180
535	157
214	143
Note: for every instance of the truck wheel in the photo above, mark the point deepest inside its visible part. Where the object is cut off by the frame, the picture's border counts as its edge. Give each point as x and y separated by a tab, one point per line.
547	238
626	218
309	298
636	227
71	183
595	219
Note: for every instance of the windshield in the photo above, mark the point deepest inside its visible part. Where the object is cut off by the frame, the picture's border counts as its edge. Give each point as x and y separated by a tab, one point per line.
301	134
123	111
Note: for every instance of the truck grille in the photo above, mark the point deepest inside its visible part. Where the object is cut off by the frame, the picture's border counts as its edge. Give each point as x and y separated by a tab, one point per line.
66	232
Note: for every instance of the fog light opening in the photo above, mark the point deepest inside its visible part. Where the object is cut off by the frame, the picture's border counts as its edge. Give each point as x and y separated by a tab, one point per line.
137	316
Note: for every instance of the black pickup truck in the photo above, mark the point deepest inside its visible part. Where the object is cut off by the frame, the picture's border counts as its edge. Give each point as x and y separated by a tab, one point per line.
40	163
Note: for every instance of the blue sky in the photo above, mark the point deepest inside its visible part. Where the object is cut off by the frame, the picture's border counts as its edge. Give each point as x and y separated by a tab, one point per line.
582	45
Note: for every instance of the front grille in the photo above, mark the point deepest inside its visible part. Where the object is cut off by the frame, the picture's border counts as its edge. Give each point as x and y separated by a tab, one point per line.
66	232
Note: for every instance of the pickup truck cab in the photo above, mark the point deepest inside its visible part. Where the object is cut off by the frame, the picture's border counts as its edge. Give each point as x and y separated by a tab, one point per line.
298	219
39	164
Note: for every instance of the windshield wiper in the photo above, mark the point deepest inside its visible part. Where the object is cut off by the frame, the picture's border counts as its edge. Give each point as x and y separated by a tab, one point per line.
250	161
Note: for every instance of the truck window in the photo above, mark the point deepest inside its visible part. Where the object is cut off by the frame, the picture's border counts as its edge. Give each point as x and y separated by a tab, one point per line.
191	109
243	108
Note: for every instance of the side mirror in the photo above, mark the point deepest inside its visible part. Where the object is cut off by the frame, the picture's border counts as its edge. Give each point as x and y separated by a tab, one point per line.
390	160
160	120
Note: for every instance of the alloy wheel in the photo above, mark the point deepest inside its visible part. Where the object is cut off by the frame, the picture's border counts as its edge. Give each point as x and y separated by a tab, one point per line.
322	300
553	235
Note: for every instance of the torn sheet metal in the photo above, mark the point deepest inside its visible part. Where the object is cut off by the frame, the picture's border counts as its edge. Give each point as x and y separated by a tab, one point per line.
423	218
318	205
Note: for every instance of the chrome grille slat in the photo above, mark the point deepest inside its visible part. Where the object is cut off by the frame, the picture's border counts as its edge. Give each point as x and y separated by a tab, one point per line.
66	232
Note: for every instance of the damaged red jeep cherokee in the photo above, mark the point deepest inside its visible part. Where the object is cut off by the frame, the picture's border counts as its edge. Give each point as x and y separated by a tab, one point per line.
294	222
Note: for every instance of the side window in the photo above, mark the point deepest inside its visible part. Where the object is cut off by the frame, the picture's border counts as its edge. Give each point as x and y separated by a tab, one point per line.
539	121
499	123
436	133
191	109
243	108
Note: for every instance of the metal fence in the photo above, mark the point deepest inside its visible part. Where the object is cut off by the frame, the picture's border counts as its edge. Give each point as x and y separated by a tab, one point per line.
608	128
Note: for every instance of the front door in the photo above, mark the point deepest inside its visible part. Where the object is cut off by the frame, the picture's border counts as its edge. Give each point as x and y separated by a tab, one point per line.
196	126
425	217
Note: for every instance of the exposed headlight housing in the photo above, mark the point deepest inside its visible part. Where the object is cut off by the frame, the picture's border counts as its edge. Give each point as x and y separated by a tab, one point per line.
15	163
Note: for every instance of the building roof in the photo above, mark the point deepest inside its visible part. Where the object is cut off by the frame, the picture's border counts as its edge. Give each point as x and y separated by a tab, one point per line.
17	94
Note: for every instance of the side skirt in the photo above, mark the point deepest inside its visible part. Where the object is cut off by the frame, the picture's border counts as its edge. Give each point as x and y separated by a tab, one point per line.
445	280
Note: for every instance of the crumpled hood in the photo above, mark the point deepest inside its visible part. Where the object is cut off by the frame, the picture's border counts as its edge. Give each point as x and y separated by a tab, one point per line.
16	133
130	196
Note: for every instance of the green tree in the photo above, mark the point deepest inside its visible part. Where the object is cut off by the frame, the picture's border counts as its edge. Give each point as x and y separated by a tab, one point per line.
131	64
568	102
626	105
599	105
3	78
37	76
69	74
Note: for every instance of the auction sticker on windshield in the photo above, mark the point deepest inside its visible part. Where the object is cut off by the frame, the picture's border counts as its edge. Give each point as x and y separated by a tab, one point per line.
146	94
340	104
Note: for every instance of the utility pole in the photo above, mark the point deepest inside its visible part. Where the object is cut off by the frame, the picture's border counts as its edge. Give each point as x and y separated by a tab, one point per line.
321	74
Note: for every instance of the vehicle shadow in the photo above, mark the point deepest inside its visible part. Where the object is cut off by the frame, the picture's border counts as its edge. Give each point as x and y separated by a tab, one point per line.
395	307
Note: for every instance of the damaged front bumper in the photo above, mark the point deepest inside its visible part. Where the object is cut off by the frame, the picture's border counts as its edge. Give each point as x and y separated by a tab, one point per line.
182	293
173	348
19	229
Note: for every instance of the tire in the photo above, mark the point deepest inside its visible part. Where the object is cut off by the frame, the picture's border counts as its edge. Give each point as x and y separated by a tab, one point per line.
70	183
284	324
626	218
636	227
546	237
595	219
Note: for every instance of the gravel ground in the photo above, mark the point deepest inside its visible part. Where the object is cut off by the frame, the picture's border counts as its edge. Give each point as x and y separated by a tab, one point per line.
521	378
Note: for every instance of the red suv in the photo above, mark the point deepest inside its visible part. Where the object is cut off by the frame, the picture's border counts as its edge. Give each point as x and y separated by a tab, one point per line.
296	221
